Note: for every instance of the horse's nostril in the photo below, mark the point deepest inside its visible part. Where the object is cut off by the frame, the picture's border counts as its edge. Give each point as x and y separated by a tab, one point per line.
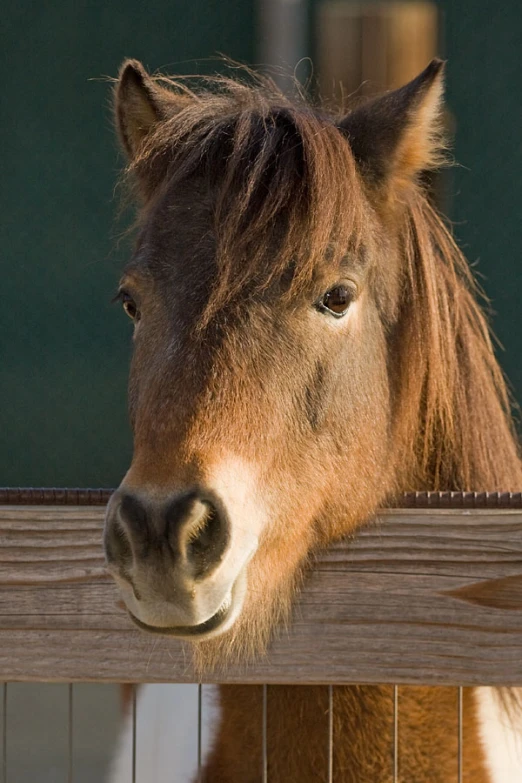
188	534
117	545
197	527
134	513
205	535
206	541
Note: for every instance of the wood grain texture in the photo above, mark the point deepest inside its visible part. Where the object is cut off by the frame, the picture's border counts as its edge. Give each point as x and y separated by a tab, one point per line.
431	597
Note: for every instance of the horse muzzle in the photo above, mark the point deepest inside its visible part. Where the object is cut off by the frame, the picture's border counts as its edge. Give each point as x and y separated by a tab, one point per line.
180	569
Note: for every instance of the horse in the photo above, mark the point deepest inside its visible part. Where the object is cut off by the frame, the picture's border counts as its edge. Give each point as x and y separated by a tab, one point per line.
309	343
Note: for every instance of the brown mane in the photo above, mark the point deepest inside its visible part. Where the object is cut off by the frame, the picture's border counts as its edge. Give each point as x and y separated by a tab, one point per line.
454	423
277	162
271	162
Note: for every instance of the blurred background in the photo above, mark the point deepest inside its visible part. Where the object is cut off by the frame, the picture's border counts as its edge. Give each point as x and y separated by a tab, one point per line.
64	349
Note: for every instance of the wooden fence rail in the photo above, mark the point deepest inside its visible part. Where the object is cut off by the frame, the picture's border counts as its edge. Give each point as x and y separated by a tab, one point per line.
419	596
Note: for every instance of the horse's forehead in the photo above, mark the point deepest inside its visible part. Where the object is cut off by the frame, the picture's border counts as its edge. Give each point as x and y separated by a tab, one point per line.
176	241
177	246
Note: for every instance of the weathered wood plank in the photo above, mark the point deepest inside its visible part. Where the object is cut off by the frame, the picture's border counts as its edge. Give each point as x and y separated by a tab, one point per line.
432	597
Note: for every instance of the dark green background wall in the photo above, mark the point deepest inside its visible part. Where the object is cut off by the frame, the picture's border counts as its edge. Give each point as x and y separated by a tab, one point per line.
483	41
63	349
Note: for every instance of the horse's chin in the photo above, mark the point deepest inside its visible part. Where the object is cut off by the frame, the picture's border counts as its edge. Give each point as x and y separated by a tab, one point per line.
221	621
265	613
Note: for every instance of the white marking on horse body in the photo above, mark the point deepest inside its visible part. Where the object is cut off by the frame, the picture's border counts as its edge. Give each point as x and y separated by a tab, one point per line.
166	734
501	736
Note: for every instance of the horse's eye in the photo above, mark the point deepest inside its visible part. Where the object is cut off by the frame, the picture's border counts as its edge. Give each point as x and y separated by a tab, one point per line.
129	305
337	300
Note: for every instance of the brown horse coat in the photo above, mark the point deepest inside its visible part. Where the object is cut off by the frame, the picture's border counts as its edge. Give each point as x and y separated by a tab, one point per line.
308	345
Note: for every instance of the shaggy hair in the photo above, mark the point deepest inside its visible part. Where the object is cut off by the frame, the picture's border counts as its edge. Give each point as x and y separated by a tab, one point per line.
281	169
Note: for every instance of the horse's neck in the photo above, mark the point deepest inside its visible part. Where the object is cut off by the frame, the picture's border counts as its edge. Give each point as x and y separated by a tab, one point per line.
363	732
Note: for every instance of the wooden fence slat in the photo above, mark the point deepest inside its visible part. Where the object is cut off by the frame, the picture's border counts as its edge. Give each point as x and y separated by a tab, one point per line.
431	597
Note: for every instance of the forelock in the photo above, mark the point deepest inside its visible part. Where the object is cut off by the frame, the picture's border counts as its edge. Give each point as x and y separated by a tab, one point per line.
285	188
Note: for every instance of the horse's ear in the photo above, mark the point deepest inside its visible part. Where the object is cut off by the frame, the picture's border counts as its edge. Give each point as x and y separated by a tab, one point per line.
140	103
399	134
